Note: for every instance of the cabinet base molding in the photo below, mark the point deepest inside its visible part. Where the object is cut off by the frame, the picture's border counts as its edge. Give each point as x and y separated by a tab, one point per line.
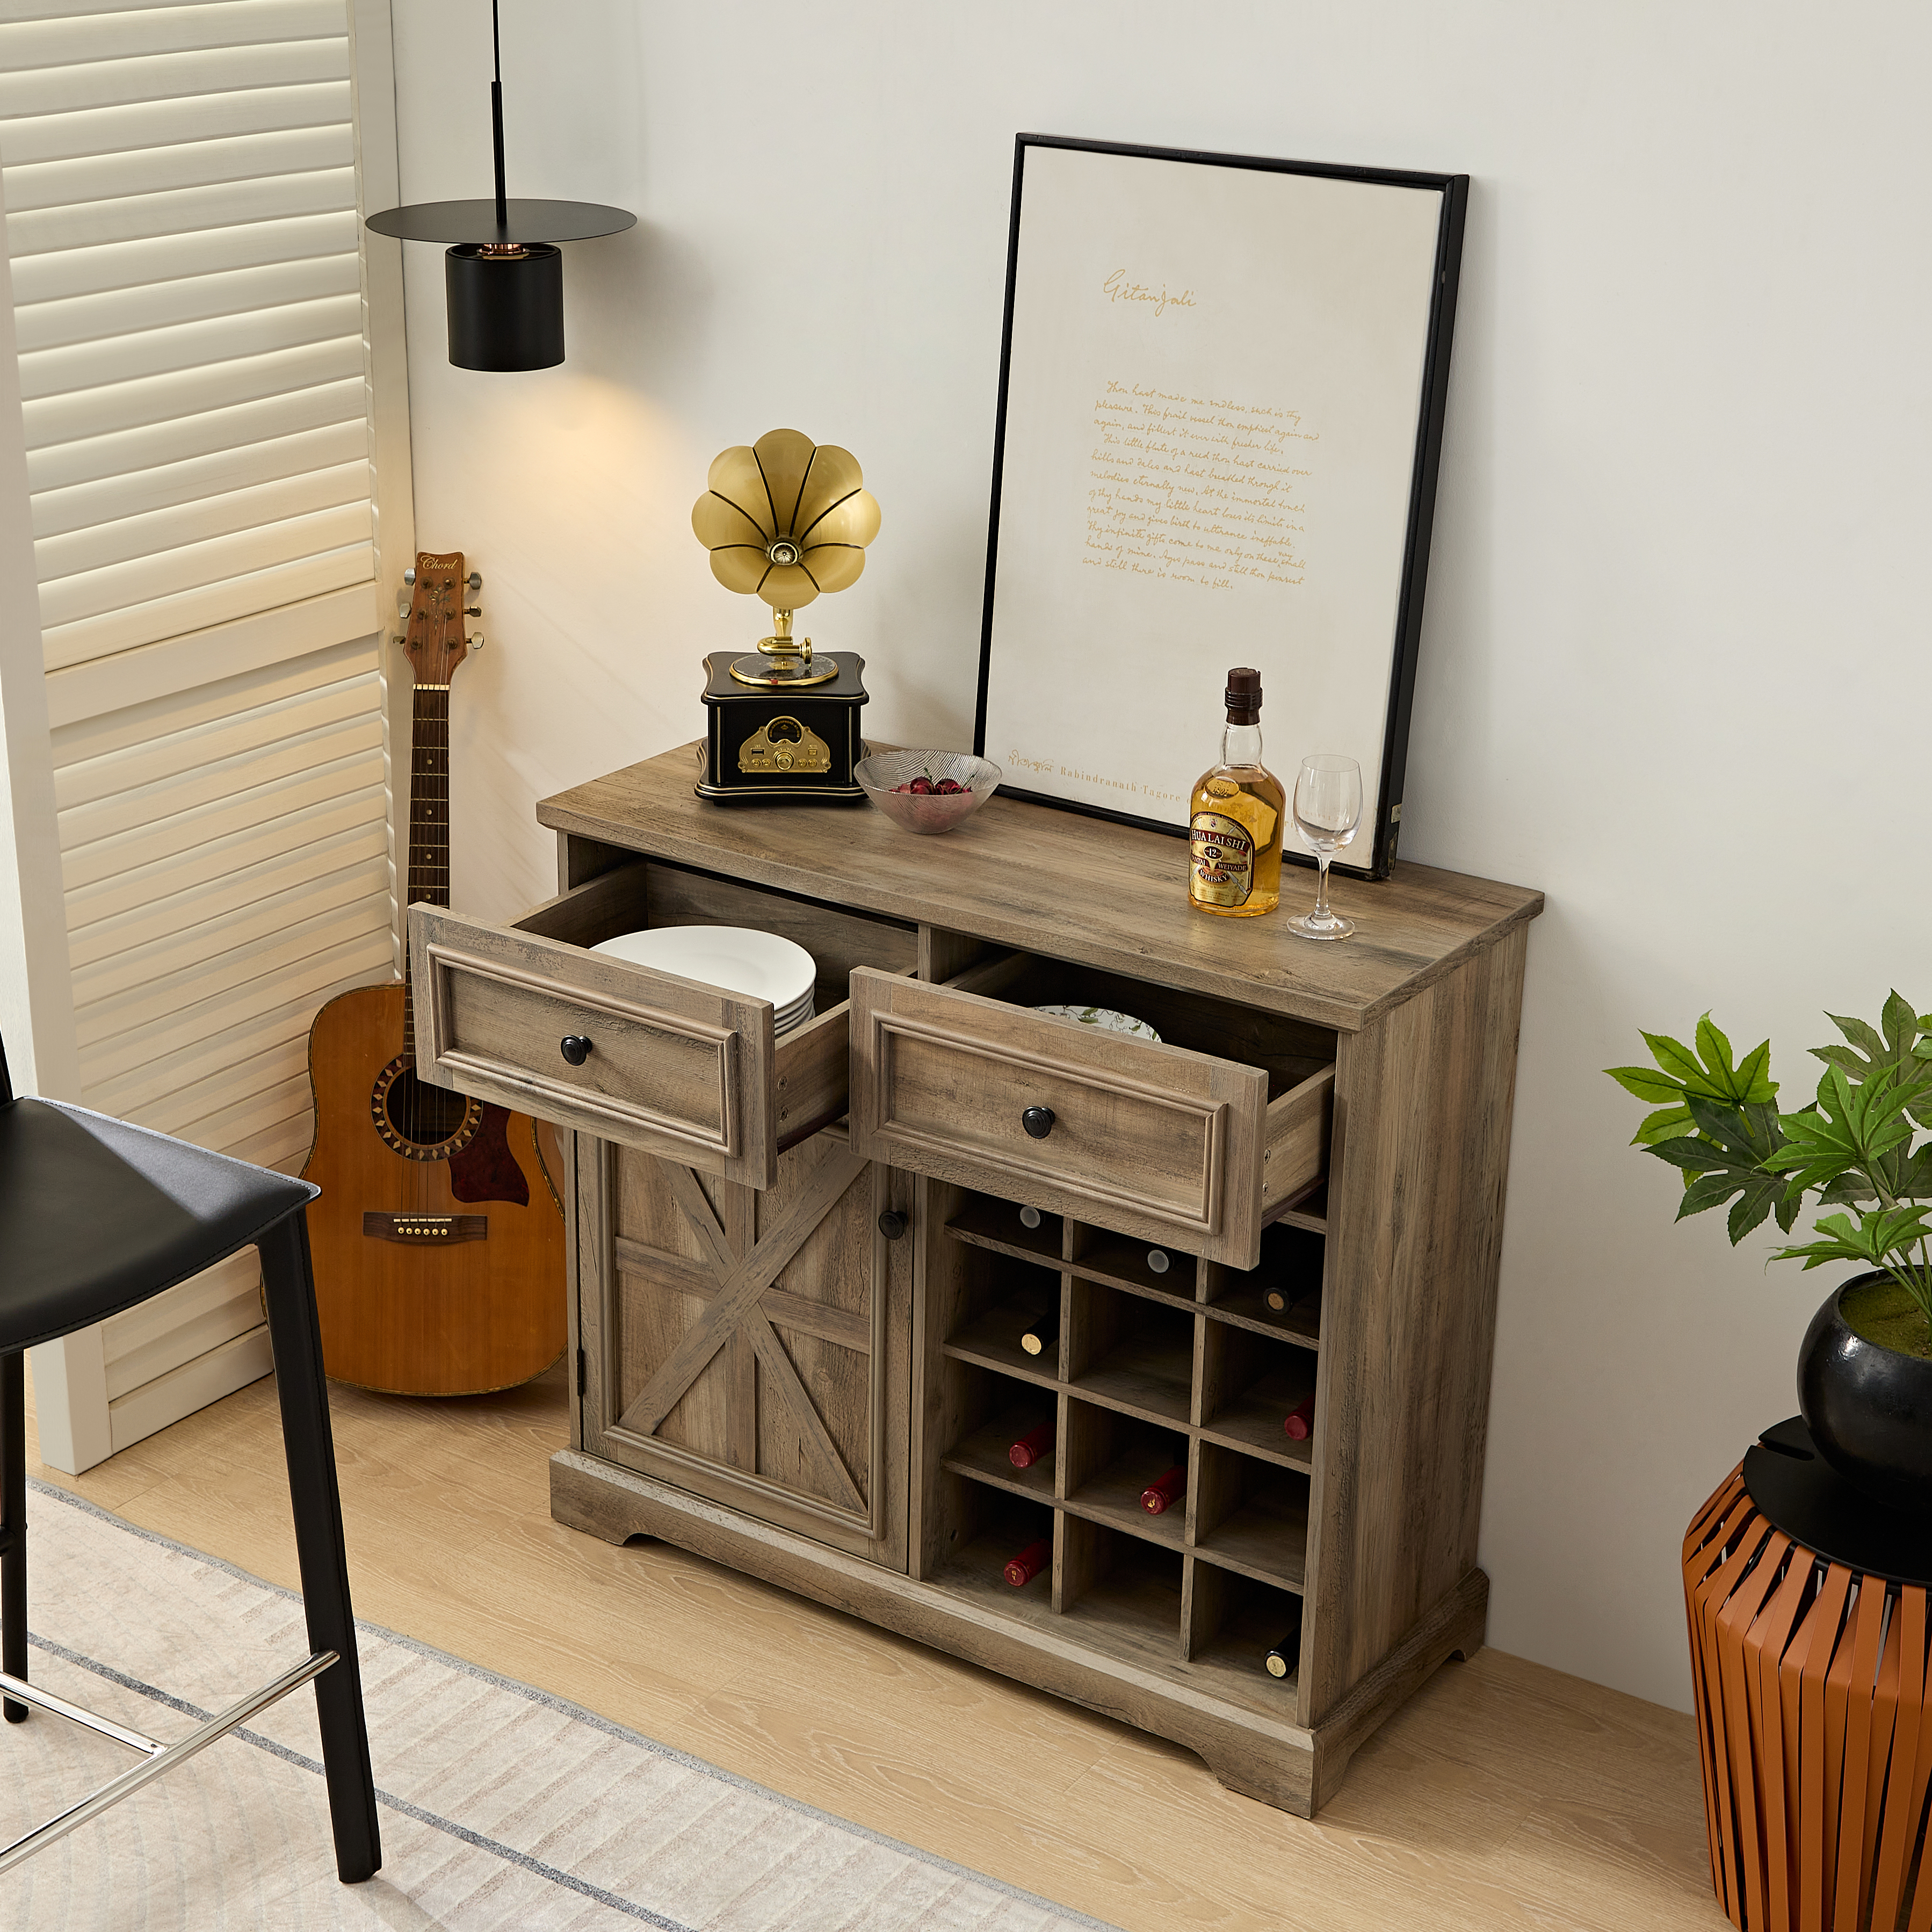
1294	1768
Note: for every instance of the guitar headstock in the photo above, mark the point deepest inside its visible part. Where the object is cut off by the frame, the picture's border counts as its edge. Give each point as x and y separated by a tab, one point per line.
434	638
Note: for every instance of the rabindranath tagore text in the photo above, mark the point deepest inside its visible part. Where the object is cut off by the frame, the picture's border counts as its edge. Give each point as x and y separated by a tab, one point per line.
1204	490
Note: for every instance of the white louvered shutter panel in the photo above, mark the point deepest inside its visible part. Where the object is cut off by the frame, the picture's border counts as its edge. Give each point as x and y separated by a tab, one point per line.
180	185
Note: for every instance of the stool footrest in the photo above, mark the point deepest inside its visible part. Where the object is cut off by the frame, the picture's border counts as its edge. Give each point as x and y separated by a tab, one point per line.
160	1757
22	1692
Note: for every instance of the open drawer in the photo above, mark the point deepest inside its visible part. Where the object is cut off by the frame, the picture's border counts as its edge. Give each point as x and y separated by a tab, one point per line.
1198	1141
525	1015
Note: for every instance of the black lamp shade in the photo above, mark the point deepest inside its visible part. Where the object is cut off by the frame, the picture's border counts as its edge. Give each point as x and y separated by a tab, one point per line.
506	305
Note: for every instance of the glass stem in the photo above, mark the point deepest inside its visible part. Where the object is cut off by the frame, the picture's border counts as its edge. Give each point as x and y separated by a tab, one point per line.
1321	916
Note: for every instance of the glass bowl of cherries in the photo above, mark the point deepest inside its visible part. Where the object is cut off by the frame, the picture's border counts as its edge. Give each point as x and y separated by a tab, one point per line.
927	791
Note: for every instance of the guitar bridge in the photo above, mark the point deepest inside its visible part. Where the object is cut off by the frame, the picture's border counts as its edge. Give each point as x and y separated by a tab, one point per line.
426	1230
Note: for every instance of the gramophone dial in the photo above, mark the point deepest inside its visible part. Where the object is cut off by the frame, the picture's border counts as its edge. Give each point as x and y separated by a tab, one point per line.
794	673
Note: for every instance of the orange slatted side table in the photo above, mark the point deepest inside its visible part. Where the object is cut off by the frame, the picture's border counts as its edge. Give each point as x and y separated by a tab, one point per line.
1808	1655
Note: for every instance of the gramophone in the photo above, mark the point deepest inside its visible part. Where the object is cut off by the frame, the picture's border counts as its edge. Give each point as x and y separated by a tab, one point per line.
784	519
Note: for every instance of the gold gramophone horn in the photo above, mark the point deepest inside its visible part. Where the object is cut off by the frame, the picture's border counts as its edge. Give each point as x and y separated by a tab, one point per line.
785	519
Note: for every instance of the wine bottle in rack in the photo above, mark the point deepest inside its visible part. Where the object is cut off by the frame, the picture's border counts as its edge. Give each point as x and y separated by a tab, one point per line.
1284	1655
1021	1570
1041	1335
1033	1447
1300	1419
1158	1261
1029	1217
1277	1299
1164	1491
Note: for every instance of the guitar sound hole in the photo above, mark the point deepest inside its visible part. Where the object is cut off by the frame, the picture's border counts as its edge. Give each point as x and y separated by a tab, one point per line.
421	1115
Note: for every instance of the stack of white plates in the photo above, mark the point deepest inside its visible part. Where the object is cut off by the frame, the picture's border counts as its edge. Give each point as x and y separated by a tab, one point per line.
739	958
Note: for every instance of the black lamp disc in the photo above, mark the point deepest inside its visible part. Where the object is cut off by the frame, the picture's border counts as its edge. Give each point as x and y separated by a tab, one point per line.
476	221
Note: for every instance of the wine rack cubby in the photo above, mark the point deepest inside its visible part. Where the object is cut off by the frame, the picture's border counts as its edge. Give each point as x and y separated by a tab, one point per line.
1156	1361
821	1285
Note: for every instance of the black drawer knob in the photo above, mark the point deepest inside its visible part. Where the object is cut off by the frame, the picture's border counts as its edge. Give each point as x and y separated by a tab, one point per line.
893	1224
1038	1121
575	1048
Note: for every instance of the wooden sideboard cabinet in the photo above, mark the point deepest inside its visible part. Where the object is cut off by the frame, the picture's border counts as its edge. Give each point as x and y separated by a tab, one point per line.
801	1270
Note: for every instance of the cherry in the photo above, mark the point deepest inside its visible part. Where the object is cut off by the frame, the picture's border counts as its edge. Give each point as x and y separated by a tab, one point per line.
921	787
949	787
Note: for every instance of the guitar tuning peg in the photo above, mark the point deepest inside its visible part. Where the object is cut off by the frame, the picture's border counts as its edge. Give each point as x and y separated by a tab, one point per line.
475	579
409	575
472	610
475	643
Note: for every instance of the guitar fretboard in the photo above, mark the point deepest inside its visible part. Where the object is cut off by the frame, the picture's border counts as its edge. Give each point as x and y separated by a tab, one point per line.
428	875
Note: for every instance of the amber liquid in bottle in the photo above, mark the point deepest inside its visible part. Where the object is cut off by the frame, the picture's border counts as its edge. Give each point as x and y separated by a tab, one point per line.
1235	817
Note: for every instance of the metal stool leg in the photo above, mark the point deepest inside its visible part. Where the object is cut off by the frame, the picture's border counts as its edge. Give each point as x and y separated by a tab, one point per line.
288	1287
14	1526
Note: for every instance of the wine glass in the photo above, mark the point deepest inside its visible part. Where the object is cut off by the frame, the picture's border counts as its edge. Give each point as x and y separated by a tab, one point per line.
1327	808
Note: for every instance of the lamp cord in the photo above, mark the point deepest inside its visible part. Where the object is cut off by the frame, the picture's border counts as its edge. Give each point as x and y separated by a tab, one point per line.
497	123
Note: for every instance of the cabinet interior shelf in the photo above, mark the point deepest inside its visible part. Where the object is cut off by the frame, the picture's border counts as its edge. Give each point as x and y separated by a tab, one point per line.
996	1226
992	1341
983	1456
1251	1422
1133	1618
1246	1307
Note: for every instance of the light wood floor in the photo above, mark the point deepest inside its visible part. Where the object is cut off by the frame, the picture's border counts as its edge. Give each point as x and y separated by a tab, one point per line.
1504	1796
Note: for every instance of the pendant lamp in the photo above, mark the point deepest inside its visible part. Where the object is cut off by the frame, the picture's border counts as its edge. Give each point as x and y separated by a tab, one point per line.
503	276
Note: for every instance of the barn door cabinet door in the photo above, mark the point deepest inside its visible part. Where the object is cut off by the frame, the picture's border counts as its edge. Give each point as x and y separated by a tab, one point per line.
753	1346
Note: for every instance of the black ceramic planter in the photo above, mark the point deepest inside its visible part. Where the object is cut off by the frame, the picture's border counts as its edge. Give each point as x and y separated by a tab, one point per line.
1869	1409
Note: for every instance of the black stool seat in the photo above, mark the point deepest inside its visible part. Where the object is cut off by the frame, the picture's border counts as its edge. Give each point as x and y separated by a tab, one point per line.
97	1215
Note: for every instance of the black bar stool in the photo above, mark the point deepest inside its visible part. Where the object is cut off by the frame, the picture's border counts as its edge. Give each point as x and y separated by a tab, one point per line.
97	1216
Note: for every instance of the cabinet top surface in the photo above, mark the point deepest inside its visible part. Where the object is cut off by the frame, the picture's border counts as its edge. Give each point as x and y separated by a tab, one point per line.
1028	876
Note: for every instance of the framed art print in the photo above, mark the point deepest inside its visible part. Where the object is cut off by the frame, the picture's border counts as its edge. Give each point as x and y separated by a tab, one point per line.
1221	399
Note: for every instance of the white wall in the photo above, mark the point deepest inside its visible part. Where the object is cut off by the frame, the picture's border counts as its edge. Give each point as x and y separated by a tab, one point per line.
1674	667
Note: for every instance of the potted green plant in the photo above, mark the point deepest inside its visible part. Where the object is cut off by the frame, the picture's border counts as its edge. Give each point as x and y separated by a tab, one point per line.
1865	1372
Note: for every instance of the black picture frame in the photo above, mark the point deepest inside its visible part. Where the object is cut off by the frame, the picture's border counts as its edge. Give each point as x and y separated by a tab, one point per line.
1383	808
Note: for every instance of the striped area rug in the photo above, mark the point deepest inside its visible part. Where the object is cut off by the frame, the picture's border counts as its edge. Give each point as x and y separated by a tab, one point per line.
501	1807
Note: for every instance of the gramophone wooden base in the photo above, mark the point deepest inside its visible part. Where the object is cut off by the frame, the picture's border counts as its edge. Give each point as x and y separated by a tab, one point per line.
1810	1680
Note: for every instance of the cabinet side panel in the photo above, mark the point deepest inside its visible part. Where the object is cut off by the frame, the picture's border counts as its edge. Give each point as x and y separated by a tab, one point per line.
1420	1158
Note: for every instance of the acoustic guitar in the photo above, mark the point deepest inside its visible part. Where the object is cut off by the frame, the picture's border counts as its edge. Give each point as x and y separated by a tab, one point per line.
438	1235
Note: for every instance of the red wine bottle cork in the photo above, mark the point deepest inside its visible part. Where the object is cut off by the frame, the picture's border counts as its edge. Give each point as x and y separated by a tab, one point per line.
1032	1446
1300	1419
1022	1569
1164	1490
1277	1299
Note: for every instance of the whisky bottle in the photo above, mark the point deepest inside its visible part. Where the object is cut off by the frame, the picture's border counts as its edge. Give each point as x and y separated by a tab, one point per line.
1235	816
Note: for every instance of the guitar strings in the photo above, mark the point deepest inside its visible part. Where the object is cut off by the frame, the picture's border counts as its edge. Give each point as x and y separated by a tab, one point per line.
429	843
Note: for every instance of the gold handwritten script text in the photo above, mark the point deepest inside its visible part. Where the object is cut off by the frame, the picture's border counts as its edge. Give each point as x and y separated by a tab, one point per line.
1204	490
1138	791
1120	286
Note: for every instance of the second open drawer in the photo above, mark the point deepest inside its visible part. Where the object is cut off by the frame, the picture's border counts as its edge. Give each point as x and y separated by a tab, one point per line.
526	1015
1198	1141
